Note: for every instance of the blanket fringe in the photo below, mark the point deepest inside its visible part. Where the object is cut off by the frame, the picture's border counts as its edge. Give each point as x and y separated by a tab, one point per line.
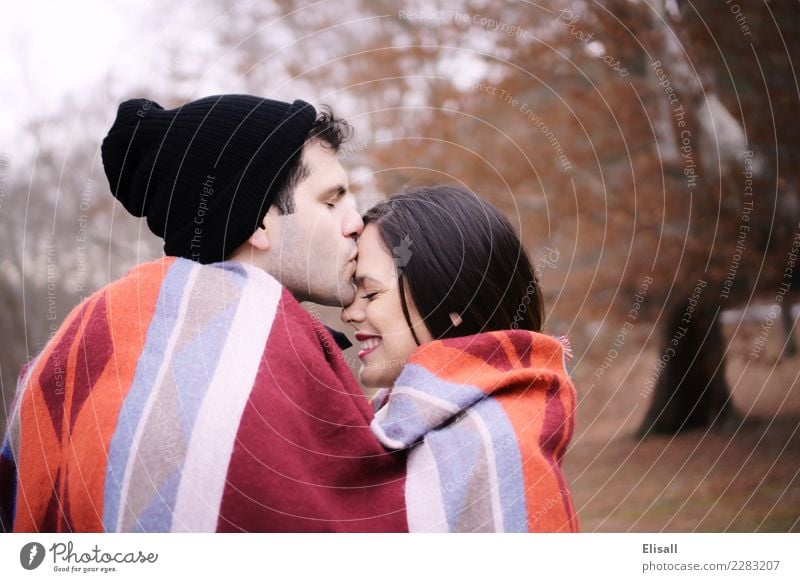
567	345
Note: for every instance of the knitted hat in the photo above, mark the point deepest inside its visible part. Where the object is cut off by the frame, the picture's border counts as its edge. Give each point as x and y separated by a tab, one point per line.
204	174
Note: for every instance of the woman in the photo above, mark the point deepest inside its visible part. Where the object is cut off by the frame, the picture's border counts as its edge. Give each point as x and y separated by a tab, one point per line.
449	312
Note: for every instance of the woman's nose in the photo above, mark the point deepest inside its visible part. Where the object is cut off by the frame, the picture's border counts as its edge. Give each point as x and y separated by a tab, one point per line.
353	313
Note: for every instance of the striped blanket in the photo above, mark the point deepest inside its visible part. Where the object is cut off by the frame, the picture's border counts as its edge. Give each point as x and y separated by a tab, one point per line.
194	398
488	419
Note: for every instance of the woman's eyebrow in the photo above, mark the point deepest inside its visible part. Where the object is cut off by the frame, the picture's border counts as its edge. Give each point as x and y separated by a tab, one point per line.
359	279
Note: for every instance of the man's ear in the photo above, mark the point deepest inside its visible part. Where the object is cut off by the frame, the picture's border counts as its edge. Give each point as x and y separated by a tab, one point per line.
456	319
259	239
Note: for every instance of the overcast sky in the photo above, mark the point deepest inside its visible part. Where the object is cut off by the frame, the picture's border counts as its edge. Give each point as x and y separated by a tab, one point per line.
51	48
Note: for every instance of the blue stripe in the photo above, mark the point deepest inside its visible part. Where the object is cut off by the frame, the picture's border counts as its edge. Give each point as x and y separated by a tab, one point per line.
157	517
457	450
194	365
409	417
236	269
130	414
419	378
508	462
458	447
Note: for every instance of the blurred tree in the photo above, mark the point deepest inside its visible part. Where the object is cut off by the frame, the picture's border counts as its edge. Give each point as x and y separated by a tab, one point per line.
615	136
747	209
616	133
63	235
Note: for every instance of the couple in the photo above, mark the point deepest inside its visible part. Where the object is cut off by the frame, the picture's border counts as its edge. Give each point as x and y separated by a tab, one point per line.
195	394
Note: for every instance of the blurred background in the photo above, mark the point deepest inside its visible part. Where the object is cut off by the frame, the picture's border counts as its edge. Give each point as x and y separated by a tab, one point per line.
646	150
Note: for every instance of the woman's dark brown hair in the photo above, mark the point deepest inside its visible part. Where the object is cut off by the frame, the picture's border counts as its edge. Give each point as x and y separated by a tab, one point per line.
456	253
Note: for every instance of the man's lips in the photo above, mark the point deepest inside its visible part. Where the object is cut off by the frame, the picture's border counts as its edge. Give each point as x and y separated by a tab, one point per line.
369	342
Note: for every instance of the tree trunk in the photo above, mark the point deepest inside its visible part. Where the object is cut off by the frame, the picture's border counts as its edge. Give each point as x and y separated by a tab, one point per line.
690	391
787	321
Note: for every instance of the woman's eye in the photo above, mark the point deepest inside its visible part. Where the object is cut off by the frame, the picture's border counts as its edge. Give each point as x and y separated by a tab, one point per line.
330	205
369	296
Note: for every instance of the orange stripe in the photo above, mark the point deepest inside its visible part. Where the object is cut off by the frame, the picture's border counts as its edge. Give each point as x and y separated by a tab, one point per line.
64	450
568	395
548	502
548	353
129	310
131	304
36	467
542	491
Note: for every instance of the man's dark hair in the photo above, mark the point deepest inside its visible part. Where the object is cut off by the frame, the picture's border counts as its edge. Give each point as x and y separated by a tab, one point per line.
332	132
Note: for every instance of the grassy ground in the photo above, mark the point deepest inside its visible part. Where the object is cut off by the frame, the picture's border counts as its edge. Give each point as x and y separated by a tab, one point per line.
746	479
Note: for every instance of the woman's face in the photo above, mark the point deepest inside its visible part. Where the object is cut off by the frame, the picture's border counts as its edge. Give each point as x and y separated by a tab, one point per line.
377	314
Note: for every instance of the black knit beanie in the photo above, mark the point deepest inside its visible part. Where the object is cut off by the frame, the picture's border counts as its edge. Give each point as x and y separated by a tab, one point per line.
204	174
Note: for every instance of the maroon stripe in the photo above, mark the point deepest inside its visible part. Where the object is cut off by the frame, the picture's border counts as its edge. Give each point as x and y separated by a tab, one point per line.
8	492
305	458
50	520
53	376
488	348
523	345
552	435
94	352
66	515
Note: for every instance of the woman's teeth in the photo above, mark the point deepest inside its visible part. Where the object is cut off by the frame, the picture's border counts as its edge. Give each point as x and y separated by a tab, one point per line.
370	343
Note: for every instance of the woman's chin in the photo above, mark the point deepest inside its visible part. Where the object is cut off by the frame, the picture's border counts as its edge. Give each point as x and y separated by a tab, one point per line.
368	377
364	378
377	375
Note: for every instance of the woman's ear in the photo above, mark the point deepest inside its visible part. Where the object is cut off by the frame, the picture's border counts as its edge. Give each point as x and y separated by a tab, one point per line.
456	319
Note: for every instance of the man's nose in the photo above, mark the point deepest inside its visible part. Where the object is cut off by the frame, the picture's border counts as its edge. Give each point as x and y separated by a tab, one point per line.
352	224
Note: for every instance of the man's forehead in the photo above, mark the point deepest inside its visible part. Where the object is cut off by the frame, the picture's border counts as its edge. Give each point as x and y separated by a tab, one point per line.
323	162
319	153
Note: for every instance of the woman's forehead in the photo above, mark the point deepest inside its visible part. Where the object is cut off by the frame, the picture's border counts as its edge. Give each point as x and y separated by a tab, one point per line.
374	262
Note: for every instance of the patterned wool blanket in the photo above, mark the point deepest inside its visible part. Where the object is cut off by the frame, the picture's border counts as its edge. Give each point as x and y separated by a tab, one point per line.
195	398
488	419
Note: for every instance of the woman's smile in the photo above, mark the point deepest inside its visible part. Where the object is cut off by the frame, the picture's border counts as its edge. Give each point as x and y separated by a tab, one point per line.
368	343
376	313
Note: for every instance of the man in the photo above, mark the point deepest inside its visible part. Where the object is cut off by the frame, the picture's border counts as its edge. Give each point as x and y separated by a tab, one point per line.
195	394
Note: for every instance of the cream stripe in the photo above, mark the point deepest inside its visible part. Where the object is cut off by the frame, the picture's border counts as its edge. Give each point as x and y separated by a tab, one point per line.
380	416
424	503
387	441
491	469
419	394
211	443
166	364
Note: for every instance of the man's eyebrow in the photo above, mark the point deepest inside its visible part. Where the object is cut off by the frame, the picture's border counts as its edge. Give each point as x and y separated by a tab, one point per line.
339	190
